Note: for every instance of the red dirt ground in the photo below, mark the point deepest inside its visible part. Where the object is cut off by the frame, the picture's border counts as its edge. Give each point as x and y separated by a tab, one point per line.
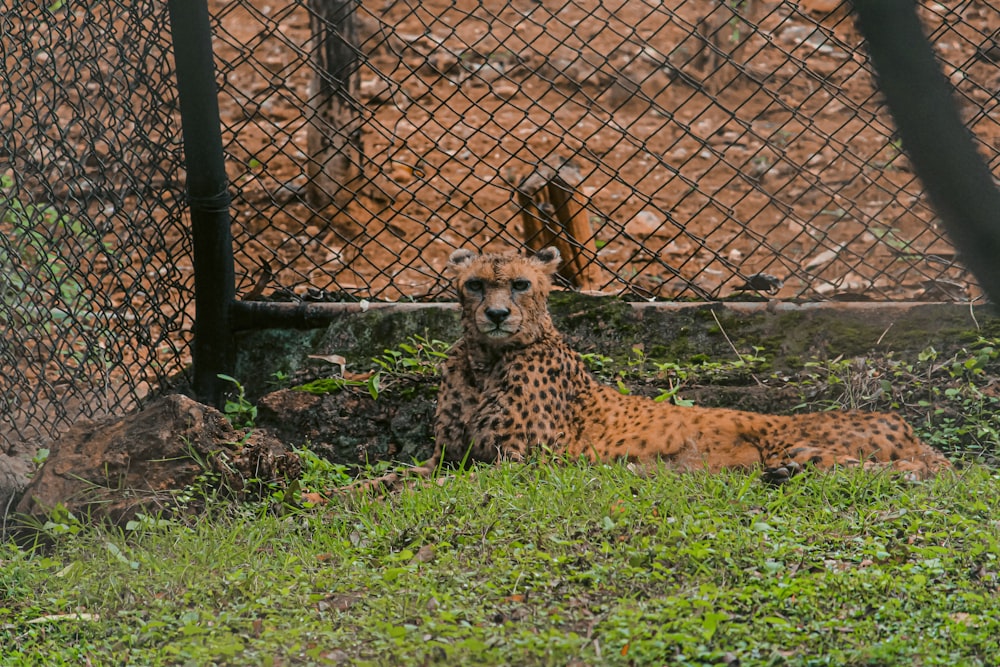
698	170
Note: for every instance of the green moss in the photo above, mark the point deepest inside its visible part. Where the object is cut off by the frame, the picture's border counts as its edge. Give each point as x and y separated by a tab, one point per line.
602	316
657	351
611	327
363	336
262	354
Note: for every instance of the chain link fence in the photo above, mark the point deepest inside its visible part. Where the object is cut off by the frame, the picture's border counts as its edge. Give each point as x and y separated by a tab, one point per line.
710	148
678	149
95	282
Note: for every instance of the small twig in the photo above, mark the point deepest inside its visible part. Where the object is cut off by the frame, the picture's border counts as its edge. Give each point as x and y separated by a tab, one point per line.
6	513
725	335
879	341
738	355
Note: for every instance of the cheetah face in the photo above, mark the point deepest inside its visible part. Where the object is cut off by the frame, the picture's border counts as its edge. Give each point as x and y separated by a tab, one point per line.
499	305
504	297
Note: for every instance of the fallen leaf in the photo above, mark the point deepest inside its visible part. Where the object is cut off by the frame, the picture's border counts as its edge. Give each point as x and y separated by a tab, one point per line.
425	554
313	497
334	359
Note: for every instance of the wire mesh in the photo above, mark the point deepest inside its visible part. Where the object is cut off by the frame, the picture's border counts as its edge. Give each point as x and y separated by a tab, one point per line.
678	149
715	148
95	286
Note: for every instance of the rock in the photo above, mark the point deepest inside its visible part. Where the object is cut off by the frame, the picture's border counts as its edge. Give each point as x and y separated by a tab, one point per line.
376	90
16	466
677	249
488	73
505	90
443	62
115	467
822	259
644	224
819	6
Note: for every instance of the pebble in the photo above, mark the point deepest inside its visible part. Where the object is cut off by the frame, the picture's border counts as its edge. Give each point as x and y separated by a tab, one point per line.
644	224
375	90
505	90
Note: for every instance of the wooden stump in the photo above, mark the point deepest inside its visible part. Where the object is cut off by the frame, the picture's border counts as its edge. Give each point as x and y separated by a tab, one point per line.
554	215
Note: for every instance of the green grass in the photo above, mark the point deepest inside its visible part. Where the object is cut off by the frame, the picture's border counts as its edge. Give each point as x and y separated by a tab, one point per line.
535	565
558	564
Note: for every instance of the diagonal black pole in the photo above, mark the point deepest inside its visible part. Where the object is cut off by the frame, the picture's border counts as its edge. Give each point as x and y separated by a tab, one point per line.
208	196
941	148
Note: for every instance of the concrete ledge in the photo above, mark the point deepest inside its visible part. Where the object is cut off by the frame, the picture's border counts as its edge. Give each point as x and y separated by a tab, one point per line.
788	334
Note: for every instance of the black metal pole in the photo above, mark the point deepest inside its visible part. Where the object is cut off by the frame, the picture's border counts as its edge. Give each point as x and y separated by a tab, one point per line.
958	182
208	196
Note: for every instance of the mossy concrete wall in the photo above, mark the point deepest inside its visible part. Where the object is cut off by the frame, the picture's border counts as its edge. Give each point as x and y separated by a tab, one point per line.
786	334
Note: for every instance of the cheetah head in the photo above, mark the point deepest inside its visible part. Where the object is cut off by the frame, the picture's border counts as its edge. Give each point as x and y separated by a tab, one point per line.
503	297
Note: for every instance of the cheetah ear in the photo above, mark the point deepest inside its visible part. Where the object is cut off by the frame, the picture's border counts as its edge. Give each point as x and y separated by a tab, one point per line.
461	257
549	258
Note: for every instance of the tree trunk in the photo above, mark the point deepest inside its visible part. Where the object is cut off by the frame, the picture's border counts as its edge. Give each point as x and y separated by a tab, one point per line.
334	133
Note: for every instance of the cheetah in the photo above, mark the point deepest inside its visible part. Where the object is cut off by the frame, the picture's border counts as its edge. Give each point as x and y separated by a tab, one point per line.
511	388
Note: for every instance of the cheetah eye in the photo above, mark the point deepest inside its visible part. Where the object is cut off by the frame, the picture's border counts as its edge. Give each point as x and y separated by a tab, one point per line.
474	285
520	285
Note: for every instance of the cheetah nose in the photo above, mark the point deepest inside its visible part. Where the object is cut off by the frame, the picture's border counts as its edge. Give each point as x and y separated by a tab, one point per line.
497	315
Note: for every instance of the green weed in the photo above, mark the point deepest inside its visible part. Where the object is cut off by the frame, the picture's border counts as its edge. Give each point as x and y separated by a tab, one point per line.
35	271
946	398
698	369
240	412
418	357
536	565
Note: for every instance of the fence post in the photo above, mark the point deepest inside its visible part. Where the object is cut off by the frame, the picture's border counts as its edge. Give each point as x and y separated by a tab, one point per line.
940	146
208	196
334	130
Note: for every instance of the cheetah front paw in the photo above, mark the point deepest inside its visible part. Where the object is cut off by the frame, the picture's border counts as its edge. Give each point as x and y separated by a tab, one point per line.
780	474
